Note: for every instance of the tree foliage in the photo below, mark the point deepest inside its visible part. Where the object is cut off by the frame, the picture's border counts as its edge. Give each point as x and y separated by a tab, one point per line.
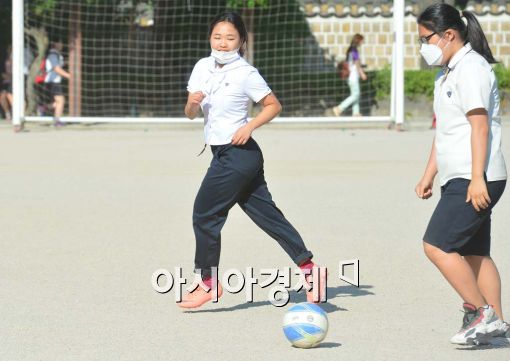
249	4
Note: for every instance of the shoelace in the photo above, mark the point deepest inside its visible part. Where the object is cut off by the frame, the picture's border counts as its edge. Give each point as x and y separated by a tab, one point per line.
469	316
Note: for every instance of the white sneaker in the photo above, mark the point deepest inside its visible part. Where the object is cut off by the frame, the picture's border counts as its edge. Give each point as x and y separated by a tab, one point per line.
497	332
499	328
476	326
337	111
501	339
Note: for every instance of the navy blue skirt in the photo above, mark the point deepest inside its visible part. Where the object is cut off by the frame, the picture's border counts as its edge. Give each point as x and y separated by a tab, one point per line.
456	226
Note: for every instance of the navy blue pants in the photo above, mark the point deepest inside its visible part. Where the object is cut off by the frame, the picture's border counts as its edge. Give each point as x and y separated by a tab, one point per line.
236	175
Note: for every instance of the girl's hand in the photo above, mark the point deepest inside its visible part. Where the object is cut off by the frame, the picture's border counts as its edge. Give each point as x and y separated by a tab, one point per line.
424	188
477	194
242	135
196	98
193	104
363	77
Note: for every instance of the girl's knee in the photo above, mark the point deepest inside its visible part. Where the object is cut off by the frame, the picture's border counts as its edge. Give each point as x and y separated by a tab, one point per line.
430	251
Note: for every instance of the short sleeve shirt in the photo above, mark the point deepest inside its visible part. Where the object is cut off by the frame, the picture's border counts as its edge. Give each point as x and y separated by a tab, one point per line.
53	60
228	91
467	83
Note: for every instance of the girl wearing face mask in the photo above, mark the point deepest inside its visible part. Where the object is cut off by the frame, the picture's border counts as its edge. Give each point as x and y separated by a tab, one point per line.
222	85
466	154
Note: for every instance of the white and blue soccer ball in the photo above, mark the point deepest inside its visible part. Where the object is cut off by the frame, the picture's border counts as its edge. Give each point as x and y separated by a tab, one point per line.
305	325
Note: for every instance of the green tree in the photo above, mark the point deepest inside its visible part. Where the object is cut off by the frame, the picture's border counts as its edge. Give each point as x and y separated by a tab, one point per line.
248	12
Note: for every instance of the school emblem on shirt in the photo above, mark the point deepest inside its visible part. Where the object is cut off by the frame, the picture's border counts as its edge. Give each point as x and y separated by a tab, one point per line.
449	93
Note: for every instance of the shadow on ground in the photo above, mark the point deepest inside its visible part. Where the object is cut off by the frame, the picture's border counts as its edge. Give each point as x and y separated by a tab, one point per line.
297	297
492	343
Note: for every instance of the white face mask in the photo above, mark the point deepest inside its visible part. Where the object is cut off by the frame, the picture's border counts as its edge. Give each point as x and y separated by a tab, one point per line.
225	57
432	53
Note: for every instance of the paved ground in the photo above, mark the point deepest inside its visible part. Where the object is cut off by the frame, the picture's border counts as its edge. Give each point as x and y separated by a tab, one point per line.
89	213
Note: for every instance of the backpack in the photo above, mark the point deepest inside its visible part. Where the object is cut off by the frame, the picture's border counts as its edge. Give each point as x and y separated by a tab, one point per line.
41	73
343	69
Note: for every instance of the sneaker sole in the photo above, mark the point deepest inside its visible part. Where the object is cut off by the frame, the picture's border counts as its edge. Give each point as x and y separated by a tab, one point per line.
476	336
496	341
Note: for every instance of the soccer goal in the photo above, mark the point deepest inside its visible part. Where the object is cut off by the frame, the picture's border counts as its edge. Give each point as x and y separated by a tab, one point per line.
129	60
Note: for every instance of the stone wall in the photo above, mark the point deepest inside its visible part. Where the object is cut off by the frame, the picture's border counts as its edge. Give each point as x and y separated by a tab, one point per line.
334	35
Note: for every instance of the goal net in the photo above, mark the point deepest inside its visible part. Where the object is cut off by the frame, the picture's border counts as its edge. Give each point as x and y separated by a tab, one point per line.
130	60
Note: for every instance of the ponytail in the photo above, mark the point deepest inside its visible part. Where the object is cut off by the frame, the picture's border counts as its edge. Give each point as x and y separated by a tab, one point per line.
441	17
474	35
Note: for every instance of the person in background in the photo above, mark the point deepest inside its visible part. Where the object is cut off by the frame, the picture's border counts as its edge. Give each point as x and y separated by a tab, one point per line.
6	89
54	74
355	73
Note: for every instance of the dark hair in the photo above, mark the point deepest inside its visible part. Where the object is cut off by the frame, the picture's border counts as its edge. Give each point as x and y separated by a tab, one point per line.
356	40
236	20
441	17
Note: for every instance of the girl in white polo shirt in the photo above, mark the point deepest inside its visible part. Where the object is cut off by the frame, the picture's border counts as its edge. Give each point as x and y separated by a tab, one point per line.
466	153
222	85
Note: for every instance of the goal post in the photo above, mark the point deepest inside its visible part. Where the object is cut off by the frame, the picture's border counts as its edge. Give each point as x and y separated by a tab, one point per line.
130	59
18	88
397	87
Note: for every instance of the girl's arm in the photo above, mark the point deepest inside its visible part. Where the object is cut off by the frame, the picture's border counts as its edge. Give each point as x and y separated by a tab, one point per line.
193	104
424	187
477	191
61	72
271	107
360	70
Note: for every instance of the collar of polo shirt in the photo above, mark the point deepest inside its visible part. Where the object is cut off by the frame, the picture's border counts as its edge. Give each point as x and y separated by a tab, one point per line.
217	75
459	55
227	67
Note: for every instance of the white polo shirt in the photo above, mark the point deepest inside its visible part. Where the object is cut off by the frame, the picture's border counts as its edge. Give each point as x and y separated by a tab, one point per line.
228	91
469	84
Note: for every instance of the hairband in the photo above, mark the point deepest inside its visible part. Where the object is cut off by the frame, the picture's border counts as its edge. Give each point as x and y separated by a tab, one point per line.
463	17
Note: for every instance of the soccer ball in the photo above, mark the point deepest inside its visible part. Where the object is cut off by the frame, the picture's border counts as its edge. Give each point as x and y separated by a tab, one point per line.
305	325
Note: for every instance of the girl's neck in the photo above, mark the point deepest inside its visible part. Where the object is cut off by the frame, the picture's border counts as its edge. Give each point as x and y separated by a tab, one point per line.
456	47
